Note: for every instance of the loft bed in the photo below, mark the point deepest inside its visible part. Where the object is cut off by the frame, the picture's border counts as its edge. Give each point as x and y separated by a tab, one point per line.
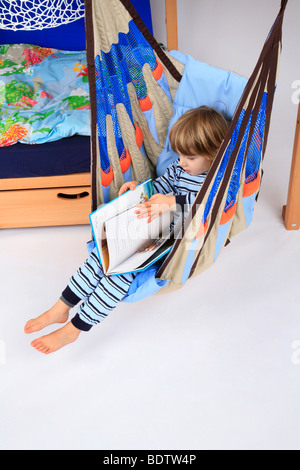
47	183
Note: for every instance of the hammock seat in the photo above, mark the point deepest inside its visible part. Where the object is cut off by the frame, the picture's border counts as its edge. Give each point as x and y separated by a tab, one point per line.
138	93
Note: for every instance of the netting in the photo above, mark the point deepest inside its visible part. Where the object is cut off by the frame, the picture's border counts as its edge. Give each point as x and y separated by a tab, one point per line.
39	14
123	64
253	159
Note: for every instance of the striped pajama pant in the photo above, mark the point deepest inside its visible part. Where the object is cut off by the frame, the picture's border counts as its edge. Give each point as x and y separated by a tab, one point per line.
99	294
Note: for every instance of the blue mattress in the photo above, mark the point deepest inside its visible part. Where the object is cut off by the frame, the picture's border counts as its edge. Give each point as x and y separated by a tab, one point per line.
70	155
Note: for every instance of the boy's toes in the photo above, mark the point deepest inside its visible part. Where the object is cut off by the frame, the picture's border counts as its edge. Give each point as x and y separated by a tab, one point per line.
28	328
38	344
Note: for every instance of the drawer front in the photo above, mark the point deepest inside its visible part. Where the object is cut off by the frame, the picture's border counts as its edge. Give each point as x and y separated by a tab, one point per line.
45	207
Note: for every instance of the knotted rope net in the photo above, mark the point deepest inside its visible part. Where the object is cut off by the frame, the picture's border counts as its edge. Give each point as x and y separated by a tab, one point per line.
39	14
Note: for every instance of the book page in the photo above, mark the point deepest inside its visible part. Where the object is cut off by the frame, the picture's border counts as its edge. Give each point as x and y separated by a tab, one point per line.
142	193
145	256
127	235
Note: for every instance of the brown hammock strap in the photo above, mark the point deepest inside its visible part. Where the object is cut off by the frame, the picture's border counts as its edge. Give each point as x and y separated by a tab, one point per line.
253	107
283	5
259	89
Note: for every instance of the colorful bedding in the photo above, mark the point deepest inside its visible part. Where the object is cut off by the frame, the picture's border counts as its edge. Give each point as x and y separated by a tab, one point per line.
44	94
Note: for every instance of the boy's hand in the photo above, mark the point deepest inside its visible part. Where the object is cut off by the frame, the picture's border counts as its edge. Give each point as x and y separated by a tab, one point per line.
130	185
158	204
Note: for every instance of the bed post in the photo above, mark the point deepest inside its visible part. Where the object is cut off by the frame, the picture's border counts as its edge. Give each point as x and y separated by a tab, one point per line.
291	212
171	20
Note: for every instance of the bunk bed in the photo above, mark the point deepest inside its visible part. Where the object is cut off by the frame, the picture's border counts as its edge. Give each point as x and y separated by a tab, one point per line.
45	181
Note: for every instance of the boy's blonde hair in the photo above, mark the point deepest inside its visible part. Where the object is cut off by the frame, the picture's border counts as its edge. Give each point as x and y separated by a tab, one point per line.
199	131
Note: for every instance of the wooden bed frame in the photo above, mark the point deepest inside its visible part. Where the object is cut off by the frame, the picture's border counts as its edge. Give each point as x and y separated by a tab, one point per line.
58	200
66	200
291	212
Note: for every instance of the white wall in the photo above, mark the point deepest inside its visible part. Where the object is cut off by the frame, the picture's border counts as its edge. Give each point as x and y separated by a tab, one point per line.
230	34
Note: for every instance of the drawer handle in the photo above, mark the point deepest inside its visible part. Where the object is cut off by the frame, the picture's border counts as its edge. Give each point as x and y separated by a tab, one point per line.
73	196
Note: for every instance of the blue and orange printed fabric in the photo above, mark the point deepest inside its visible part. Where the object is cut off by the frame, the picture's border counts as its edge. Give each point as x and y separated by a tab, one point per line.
44	94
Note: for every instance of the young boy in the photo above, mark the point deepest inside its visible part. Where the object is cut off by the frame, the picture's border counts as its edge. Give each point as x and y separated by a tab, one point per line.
196	137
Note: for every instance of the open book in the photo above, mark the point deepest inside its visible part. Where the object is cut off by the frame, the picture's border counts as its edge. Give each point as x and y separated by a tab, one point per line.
124	242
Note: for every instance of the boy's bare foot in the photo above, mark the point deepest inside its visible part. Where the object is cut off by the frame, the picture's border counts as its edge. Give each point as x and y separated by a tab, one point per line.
59	313
56	340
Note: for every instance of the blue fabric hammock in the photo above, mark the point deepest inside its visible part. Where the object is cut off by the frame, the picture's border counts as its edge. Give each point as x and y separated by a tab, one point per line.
138	91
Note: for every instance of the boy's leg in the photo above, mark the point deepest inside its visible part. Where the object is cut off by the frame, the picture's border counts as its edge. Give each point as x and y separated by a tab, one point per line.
108	293
105	297
80	286
84	281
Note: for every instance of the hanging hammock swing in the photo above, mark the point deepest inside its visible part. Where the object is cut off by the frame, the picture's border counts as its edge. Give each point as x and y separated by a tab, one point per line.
138	93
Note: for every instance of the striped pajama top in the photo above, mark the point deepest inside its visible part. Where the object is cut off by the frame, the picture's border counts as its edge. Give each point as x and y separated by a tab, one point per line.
184	186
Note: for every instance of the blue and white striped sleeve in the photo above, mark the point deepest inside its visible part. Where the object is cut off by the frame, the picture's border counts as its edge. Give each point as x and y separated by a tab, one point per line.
191	188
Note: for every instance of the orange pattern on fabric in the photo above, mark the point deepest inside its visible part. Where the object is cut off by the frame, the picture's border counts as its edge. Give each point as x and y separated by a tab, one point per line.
158	71
125	161
107	177
226	216
145	103
252	187
138	136
13	134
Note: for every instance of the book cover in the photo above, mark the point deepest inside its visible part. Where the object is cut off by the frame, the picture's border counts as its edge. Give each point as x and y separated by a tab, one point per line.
124	242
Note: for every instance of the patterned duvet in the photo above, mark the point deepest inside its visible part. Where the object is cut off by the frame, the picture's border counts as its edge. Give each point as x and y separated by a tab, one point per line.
44	94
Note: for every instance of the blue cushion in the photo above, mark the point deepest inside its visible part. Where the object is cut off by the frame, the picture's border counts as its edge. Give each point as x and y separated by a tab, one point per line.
201	84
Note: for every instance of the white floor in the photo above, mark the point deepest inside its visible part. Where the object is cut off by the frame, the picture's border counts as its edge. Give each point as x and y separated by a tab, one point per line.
209	367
